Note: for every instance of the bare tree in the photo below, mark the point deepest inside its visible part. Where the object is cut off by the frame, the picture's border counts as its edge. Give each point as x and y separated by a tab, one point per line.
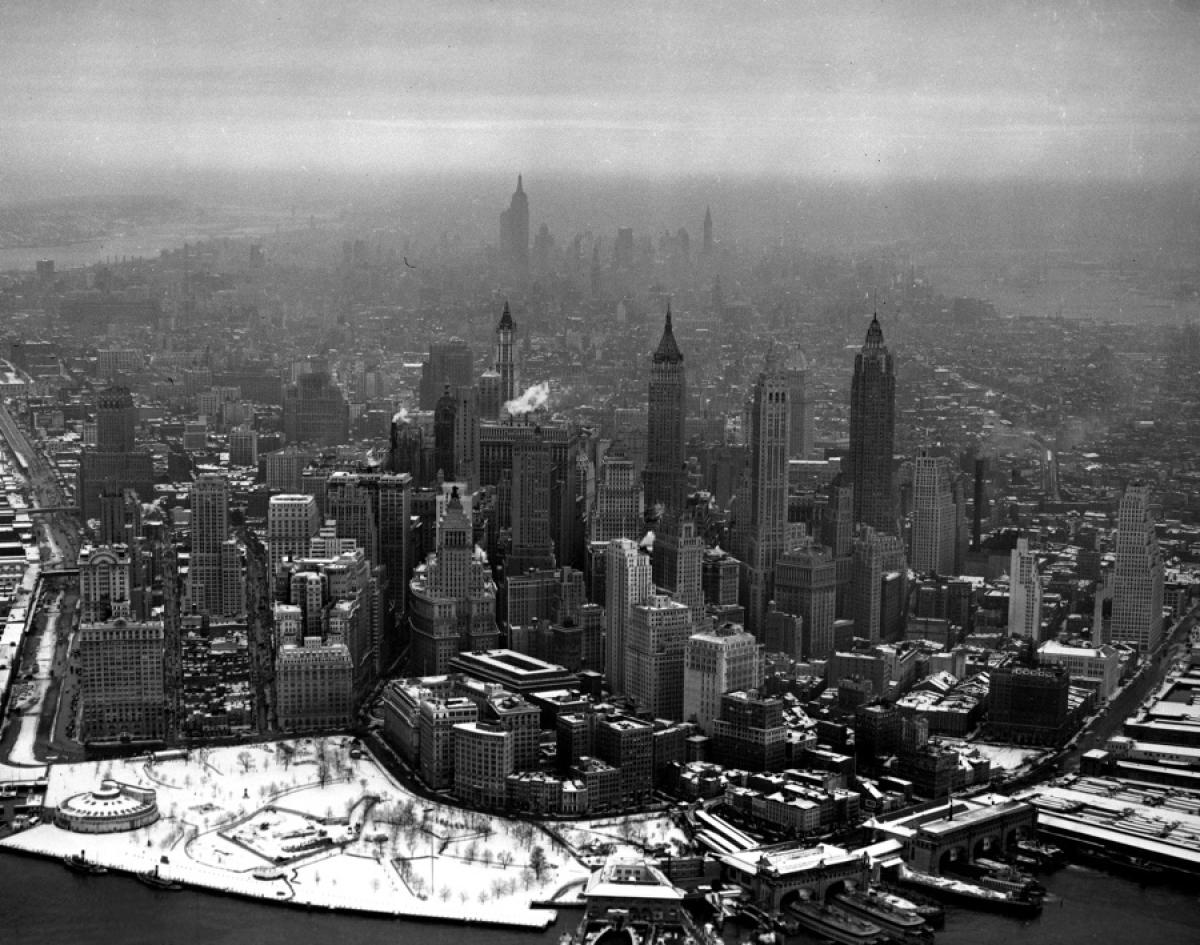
504	857
246	760
538	863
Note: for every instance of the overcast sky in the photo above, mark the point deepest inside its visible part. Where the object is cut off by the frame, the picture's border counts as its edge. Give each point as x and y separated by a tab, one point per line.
848	90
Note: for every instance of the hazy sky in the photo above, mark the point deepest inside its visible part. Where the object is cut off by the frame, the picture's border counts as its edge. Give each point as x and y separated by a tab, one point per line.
849	90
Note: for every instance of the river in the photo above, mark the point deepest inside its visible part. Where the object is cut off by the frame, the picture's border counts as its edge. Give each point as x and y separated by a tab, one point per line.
40	902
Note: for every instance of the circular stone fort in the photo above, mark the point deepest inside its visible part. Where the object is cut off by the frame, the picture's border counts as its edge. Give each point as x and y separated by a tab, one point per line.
110	808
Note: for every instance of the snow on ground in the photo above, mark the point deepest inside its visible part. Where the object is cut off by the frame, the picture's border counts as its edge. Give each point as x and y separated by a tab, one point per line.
1007	758
22	750
304	822
595	837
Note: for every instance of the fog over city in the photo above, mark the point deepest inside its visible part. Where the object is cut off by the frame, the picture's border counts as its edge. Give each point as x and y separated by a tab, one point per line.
681	472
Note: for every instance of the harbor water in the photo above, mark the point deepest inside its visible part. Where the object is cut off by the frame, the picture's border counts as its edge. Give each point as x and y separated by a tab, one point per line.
43	903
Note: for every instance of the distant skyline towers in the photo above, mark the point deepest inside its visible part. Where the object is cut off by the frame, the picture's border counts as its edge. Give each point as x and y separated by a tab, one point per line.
936	518
707	246
116	420
800	433
450	363
765	534
506	365
1024	593
115	464
1137	588
666	478
629	580
872	433
514	234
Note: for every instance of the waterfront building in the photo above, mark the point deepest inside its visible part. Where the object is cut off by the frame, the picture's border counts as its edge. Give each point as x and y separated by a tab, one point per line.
868	464
314	686
483	760
121	679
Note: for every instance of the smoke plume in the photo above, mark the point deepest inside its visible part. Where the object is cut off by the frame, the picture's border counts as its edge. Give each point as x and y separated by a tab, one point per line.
533	399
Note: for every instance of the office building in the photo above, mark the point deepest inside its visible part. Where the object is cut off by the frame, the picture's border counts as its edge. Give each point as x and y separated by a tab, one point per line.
656	641
629	580
314	685
937	518
452	604
763	537
716	662
315	411
532	545
617	512
292	522
121	681
868	465
806	587
450	364
506	360
878	585
665	478
677	562
1137	583
1024	593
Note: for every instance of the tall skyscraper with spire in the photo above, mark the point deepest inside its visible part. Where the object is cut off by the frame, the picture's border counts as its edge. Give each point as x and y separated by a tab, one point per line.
514	233
765	534
707	247
506	363
666	479
872	433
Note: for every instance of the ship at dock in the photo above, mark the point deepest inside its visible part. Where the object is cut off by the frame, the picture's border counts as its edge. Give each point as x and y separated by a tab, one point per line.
904	924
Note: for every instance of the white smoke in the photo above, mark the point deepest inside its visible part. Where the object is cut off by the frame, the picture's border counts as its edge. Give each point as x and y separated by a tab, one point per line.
533	399
401	416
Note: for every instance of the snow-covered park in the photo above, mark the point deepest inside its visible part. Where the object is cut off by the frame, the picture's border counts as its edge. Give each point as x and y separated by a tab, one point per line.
306	822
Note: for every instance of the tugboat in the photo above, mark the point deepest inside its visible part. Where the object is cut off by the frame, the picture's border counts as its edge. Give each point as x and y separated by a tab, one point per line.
903	924
1043	856
78	863
155	881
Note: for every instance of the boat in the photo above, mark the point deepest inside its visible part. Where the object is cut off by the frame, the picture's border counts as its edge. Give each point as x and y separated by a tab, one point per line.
78	863
1044	856
155	881
836	924
975	895
930	910
901	923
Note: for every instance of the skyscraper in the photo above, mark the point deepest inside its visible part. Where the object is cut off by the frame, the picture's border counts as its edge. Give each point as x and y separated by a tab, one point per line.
453	597
617	512
514	234
936	534
718	661
765	534
532	545
292	521
1024	593
506	365
115	464
678	562
656	641
315	411
628	580
872	433
666	480
878	585
214	572
800	435
806	587
1137	590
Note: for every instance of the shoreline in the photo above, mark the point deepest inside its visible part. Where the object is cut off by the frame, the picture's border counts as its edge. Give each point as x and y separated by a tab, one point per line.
547	915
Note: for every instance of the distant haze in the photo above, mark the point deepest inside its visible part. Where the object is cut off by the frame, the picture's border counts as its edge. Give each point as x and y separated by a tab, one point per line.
112	95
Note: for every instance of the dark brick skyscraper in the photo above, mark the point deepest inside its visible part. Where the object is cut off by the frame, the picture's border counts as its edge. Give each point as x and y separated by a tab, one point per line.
665	479
872	433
